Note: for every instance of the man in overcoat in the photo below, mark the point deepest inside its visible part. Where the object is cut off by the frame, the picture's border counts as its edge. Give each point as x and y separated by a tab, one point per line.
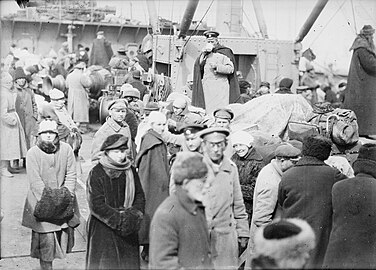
360	93
305	192
101	51
115	124
214	75
179	235
223	201
352	242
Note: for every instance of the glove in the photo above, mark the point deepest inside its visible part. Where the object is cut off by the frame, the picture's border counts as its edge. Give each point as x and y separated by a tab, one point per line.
242	244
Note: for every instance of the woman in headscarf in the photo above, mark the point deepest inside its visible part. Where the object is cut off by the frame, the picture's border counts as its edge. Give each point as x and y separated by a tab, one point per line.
116	201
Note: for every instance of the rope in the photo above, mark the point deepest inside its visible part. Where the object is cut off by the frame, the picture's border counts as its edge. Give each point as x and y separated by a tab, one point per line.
199	23
366	11
353	12
327	23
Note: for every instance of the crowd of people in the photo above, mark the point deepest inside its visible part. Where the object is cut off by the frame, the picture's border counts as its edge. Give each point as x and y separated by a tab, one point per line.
171	184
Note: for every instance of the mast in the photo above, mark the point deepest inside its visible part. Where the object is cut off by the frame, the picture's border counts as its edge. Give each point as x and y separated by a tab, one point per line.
229	17
311	20
187	17
153	17
260	18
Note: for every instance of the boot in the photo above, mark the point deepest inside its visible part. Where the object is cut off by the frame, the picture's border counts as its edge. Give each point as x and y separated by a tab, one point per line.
14	170
44	265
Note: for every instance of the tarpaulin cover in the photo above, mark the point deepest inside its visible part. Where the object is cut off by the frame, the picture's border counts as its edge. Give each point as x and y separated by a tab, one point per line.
270	114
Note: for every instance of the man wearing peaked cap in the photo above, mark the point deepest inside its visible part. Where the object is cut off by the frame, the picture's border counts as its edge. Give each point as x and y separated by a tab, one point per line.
223	201
215	83
211	34
115	124
265	195
223	117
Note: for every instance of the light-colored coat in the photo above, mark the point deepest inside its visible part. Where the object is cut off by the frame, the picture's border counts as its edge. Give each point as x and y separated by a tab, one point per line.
225	213
54	170
12	142
78	98
110	127
215	83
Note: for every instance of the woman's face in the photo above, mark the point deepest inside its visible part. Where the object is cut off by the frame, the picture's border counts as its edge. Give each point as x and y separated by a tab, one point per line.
118	155
48	136
241	149
158	126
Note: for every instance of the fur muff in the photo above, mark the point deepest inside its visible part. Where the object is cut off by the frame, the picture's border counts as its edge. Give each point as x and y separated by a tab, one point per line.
130	221
55	206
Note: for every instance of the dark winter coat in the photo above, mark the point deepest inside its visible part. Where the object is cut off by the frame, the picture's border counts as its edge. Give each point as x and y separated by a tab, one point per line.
106	247
352	241
360	93
141	87
179	235
152	164
101	53
305	192
249	167
198	73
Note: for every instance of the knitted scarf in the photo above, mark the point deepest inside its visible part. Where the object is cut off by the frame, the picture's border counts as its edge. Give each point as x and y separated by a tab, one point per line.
49	147
114	169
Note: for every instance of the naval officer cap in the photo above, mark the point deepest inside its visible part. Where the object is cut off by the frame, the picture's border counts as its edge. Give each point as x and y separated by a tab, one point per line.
189	129
211	34
214	133
224	114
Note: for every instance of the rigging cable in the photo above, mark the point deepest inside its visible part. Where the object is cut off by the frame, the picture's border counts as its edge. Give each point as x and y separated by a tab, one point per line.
322	29
353	12
199	23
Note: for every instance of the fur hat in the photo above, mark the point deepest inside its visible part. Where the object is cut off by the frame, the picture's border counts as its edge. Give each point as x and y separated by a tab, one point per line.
242	137
317	146
47	125
115	141
367	151
286	239
188	165
19	73
151	106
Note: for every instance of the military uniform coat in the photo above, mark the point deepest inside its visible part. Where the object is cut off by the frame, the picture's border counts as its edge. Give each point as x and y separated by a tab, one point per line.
152	166
360	93
225	213
352	242
305	192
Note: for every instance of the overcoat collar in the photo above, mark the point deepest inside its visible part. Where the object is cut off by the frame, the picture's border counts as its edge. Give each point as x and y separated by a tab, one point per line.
310	161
